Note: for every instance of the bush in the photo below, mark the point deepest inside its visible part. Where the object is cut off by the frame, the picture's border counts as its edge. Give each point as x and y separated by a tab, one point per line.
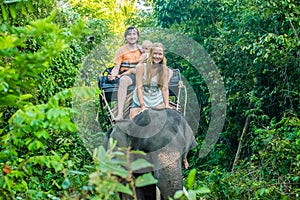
272	170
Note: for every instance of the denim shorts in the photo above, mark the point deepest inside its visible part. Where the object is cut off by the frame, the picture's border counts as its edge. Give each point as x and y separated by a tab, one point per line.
134	105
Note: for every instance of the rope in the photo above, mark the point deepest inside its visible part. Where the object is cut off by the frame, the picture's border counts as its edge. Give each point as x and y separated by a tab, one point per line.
180	86
185	100
178	96
107	105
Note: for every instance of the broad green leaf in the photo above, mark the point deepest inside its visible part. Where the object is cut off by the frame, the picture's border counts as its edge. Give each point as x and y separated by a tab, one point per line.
8	41
191	179
101	153
192	195
71	127
35	145
57	166
76	172
178	194
114	169
123	189
119	154
137	152
140	164
117	162
145	179
41	133
25	97
203	190
66	184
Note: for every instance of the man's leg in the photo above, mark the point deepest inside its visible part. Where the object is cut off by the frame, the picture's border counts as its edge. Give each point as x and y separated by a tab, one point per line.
124	83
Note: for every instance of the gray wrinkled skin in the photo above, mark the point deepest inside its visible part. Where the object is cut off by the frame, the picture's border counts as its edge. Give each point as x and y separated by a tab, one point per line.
166	137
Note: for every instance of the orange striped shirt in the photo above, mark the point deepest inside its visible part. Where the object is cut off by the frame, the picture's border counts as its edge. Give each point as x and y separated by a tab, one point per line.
125	54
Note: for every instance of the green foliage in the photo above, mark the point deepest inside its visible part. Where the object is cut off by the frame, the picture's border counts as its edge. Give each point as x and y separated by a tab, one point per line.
113	13
26	54
255	44
256	47
29	146
113	172
180	12
195	188
21	12
20	67
95	30
144	16
272	170
41	153
36	139
39	147
63	69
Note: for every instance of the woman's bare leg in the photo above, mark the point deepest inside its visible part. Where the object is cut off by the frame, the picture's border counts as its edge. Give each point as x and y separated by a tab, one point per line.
134	112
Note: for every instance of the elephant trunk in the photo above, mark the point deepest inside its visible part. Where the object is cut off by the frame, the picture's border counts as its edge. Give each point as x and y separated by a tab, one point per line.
169	176
169	182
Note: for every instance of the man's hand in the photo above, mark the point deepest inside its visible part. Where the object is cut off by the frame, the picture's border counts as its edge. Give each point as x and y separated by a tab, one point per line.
114	73
111	77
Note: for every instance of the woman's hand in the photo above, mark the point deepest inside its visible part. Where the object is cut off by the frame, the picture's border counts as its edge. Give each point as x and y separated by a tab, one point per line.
143	107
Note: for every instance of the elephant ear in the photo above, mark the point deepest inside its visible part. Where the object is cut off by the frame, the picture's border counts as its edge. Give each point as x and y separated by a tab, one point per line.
190	141
183	134
119	133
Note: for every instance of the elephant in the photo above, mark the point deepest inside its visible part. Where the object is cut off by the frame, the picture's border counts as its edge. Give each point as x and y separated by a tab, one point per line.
166	138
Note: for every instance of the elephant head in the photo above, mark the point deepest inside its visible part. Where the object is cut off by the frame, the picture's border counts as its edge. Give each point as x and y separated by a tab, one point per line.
165	136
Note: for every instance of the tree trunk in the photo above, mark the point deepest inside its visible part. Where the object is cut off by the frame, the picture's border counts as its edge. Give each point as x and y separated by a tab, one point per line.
239	150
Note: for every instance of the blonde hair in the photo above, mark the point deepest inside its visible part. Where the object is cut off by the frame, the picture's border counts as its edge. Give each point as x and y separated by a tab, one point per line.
161	71
147	43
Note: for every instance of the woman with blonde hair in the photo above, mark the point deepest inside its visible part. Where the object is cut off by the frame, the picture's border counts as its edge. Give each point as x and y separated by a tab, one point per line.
152	82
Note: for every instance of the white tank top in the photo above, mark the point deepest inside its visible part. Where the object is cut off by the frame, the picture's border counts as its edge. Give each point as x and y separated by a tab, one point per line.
152	95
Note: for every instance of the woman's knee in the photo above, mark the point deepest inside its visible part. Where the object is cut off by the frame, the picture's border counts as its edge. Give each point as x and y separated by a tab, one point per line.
125	80
134	112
